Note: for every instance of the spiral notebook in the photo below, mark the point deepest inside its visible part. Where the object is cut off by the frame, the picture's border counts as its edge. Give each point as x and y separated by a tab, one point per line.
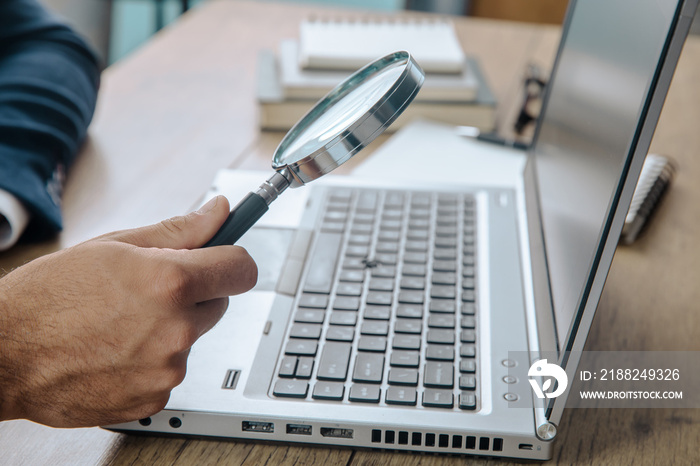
350	44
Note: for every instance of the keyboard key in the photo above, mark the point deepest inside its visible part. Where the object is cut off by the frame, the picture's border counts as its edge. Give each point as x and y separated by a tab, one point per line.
403	376
468	271
359	239
412	283
352	276
343	318
417	234
389	235
390	225
416	246
335	359
394	199
312	331
467	400
468	261
440	353
468	336
467	366
444	306
313	301
377	312
291	388
438	374
446	232
384	271
414	270
468	322
381	284
467	382
367	201
441	321
381	298
445	266
438	398
418	224
369	367
387	259
322	264
445	242
363	217
400	358
392	214
408	326
349	289
385	246
407	342
365	393
288	366
353	263
468	309
468	283
415	258
375	327
361	229
467	351
445	254
419	213
304	368
443	337
444	278
446	220
401	396
338	333
357	251
411	297
410	311
372	343
468	296
328	391
301	347
309	316
346	303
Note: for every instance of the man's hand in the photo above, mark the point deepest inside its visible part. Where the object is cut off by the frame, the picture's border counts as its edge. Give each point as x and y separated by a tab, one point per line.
99	333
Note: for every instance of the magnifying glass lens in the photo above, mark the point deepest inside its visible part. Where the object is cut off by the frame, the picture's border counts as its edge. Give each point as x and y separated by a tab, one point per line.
334	116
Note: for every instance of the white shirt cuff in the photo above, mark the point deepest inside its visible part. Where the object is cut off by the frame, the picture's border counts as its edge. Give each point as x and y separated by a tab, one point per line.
13	220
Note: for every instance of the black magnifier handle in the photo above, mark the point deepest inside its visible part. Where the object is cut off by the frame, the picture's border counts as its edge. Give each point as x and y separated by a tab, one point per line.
249	211
241	218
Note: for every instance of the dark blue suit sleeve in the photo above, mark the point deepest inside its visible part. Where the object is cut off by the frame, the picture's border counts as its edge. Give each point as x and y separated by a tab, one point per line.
48	88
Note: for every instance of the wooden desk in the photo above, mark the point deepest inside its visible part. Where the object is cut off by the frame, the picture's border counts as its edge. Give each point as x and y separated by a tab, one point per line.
183	106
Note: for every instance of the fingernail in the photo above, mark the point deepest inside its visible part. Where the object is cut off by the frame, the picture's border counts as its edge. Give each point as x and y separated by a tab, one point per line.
208	206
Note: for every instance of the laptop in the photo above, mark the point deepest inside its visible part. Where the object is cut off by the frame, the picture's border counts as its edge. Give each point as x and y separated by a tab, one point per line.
407	315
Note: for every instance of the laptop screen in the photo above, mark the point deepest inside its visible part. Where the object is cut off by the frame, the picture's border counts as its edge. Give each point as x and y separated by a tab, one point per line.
597	99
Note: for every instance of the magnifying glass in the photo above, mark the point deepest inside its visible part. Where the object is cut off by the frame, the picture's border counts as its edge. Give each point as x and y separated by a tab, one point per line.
339	126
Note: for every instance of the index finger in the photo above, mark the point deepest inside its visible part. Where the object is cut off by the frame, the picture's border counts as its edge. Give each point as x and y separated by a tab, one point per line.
217	272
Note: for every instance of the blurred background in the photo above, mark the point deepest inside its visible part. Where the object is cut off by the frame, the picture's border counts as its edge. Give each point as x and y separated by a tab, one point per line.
117	27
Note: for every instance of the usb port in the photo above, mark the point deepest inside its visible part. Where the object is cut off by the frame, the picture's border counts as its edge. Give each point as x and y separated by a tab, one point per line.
255	426
525	446
336	433
298	429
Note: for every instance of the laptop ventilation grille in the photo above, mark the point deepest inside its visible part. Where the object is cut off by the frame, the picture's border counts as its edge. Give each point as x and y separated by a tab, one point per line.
453	442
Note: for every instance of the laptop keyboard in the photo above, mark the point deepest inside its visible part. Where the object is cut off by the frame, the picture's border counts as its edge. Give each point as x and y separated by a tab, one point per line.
387	311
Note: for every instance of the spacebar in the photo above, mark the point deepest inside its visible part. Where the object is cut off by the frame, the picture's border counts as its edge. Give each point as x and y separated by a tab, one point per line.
323	261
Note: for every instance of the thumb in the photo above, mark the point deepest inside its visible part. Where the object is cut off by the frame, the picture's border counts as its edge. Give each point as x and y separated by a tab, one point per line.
189	231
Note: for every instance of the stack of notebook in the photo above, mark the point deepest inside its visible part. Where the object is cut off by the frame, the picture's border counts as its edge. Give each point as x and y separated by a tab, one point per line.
301	71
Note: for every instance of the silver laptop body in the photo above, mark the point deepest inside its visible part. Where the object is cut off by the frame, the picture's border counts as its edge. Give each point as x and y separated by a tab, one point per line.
540	249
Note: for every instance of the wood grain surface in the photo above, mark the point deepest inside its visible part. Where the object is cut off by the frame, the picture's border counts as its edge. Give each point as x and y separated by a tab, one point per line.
183	106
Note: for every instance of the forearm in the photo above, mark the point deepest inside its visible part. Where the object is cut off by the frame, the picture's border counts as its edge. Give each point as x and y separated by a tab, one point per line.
48	87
